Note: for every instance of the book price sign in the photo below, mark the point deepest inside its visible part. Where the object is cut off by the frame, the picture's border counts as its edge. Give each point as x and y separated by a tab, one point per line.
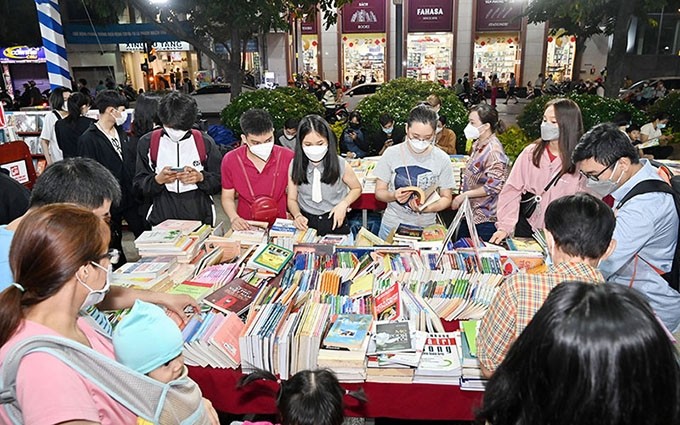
17	171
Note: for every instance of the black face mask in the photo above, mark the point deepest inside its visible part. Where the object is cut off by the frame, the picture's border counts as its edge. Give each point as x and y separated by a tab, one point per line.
354	125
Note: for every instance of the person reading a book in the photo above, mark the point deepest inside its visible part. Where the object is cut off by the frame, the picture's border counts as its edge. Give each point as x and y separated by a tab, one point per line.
149	342
178	169
256	172
646	224
653	140
416	164
308	397
86	183
52	285
321	185
542	172
485	172
578	230
592	355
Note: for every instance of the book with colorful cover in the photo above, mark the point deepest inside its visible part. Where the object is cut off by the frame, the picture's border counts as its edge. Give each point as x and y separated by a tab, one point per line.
408	231
236	296
161	237
524	244
195	290
392	337
349	331
185	226
440	355
272	257
388	303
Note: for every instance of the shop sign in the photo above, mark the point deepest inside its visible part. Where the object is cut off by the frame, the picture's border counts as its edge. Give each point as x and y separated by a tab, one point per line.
430	15
119	33
22	54
309	25
499	15
160	46
17	170
364	16
251	47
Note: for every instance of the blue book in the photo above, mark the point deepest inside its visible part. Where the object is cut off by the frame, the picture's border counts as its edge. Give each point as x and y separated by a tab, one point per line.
349	331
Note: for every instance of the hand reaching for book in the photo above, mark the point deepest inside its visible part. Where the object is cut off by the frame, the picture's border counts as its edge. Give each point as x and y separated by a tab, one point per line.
498	237
338	214
178	304
300	222
401	195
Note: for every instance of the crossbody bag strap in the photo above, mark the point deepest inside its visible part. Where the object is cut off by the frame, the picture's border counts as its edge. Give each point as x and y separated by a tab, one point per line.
276	175
250	187
553	181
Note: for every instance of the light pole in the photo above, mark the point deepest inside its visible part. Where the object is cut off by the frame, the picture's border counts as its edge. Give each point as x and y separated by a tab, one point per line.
399	39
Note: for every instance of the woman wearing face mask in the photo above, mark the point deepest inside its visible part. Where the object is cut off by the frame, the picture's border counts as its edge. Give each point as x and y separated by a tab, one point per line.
48	138
53	284
414	163
542	172
321	185
485	171
74	125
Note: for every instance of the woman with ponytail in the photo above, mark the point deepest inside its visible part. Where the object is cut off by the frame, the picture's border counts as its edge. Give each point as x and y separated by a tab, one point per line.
310	397
61	264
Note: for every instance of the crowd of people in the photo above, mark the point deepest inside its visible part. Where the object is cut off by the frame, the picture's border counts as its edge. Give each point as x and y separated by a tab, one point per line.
539	334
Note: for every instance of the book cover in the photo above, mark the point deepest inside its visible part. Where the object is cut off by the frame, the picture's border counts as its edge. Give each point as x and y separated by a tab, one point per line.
408	231
348	331
440	355
235	296
273	257
185	226
392	337
524	244
169	237
388	303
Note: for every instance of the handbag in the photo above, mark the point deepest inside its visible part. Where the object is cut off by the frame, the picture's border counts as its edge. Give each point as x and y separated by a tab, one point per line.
527	207
264	207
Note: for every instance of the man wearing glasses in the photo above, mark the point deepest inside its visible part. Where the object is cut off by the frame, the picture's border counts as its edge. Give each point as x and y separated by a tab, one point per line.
646	225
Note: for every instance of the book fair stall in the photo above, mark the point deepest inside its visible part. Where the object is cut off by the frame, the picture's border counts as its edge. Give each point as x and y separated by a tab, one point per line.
397	318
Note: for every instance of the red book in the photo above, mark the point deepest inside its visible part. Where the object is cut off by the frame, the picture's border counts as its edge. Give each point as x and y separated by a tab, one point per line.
236	296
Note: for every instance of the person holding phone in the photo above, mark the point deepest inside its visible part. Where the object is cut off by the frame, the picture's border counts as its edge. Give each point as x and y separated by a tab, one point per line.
353	138
390	134
321	185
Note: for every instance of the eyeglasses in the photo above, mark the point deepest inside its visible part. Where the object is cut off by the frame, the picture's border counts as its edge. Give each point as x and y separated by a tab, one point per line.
113	255
596	177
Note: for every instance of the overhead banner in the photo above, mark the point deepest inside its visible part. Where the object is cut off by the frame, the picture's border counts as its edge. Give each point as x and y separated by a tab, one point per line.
22	54
310	25
499	15
364	16
118	33
430	15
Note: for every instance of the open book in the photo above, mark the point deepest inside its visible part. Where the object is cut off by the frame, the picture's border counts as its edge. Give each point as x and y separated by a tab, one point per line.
424	197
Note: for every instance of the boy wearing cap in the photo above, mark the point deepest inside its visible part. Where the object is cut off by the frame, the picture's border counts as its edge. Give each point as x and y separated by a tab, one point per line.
149	342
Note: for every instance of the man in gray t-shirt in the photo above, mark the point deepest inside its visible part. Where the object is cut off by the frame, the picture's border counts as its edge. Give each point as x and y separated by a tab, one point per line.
415	163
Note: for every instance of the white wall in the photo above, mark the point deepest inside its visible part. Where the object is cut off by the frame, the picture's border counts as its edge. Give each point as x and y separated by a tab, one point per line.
329	53
535	45
465	39
88	55
276	56
595	55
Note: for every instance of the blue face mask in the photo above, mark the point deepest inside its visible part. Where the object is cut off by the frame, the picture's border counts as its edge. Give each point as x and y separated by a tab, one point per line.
388	131
661	126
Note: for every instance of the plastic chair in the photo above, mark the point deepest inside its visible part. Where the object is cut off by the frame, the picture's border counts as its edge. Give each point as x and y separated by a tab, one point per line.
16	158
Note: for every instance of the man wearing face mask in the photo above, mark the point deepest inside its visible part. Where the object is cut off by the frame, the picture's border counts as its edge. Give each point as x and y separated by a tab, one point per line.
390	134
646	225
106	142
256	172
286	137
353	138
652	131
579	232
182	172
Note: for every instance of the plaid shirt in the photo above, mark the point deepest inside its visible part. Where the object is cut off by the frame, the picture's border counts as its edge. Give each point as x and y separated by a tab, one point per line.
516	303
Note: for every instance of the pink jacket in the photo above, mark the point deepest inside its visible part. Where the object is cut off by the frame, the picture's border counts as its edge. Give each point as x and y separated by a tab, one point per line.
525	177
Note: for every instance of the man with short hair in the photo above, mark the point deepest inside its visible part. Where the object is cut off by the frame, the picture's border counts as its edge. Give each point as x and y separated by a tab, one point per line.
646	225
87	183
257	168
390	134
185	171
579	232
286	137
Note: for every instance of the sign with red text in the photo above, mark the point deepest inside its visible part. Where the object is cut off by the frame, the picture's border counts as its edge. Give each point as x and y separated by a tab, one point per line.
499	15
364	16
430	15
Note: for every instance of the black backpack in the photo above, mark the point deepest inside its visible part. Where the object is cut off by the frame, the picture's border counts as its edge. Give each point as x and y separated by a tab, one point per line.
648	186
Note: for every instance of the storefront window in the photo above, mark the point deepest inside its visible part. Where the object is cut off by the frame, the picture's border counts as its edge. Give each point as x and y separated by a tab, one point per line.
496	54
364	54
310	53
560	56
430	57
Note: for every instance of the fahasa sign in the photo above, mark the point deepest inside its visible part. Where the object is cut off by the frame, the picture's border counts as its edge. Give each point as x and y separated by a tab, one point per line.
430	15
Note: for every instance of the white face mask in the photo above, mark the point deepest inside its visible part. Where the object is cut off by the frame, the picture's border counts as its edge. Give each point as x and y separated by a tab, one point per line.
263	150
175	135
419	146
96	295
549	131
288	136
122	118
439	130
604	187
471	132
315	153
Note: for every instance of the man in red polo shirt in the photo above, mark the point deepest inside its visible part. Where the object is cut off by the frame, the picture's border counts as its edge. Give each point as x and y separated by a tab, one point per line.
257	168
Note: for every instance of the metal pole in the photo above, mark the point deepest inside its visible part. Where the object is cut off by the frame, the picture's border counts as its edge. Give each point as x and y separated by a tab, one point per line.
399	39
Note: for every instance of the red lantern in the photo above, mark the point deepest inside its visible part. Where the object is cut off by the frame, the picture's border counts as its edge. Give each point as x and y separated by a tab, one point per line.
550	39
377	42
383	40
314	43
483	43
509	40
344	38
351	44
572	39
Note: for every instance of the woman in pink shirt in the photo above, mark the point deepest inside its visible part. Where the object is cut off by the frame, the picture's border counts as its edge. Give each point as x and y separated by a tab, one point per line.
544	169
61	266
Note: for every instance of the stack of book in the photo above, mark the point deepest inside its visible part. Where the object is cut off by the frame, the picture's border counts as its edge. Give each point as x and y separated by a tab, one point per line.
344	347
144	273
471	374
394	352
207	281
440	362
211	339
155	243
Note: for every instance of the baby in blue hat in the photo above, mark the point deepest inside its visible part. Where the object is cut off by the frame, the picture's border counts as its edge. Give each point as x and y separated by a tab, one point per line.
148	341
